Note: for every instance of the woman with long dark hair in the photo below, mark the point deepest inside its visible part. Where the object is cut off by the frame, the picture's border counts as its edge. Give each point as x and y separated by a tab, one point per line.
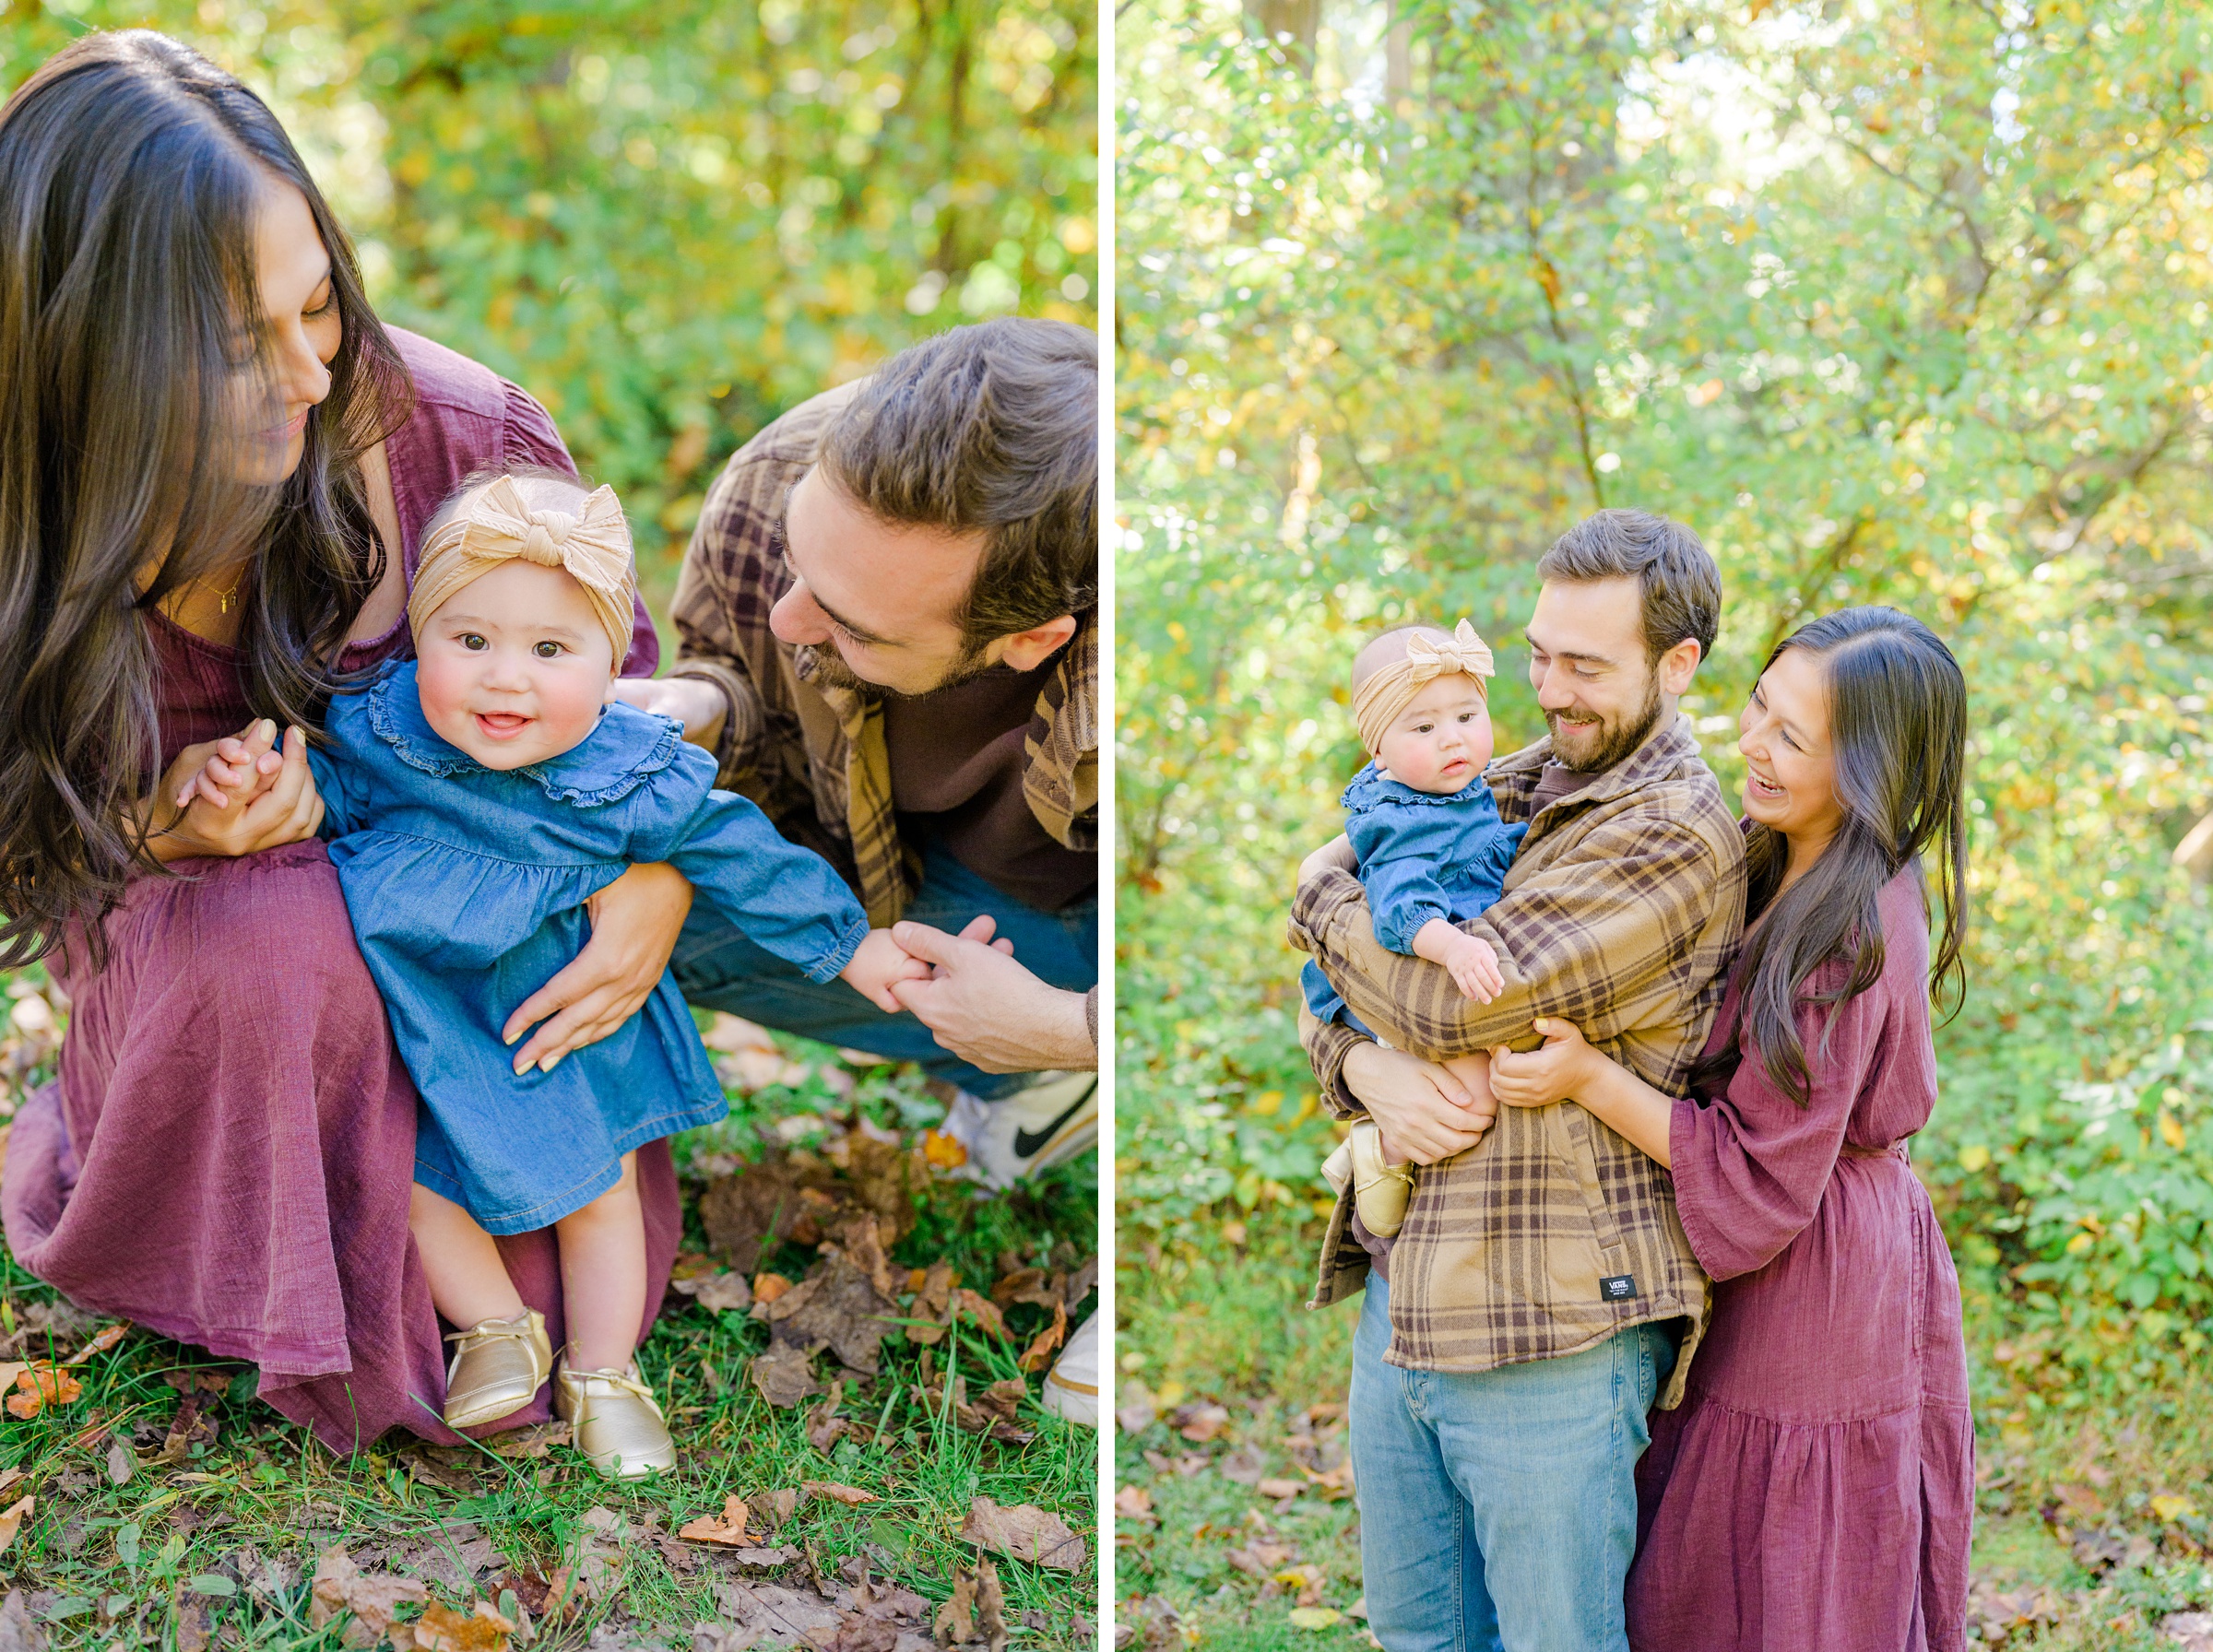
215	468
1814	1492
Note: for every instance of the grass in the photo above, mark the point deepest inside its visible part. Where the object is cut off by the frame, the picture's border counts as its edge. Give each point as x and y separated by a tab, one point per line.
220	1545
2079	1545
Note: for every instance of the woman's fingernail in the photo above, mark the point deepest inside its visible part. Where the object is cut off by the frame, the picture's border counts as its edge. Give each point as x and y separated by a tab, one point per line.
550	1063
510	1038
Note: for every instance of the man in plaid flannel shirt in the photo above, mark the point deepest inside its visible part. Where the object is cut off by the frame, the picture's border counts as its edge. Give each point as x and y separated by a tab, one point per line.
888	633
1541	1294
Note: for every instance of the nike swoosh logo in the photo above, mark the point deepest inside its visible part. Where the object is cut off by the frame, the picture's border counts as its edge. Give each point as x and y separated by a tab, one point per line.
1029	1141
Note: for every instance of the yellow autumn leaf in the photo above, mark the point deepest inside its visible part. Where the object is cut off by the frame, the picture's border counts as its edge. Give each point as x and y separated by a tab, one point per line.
2171	1508
1315	1617
2171	1131
1973	1157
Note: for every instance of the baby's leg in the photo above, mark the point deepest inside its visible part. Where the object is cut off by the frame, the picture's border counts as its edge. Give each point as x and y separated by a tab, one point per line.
468	1282
603	1275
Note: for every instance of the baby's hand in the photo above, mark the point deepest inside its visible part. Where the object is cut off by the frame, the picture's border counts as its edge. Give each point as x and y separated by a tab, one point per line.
879	962
236	772
1473	963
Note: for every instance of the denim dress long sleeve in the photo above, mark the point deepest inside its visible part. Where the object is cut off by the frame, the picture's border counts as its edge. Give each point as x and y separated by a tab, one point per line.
1419	856
467	889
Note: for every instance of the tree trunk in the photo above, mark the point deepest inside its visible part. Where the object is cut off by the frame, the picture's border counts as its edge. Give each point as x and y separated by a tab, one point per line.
1398	56
1300	20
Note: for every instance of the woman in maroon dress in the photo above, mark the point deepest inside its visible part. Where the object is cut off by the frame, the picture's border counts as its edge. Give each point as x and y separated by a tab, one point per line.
1814	1492
215	468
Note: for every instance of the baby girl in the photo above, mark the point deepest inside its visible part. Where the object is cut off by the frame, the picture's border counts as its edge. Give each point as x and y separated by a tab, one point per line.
1424	837
478	797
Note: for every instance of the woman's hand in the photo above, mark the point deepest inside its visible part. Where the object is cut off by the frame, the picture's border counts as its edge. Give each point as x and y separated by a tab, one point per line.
233	796
695	702
1337	852
1563	1068
1426	1112
635	921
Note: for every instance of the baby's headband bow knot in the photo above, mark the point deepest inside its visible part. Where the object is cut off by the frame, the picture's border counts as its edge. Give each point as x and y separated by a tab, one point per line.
1464	652
498	525
1391	689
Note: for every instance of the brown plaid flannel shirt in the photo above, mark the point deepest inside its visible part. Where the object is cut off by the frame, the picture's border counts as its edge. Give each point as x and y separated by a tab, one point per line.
1620	914
811	755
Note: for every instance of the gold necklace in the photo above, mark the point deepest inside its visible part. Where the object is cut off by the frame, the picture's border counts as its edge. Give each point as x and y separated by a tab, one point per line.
223	597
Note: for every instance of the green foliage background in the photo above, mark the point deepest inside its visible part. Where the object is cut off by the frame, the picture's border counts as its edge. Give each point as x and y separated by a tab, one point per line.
671	220
1894	300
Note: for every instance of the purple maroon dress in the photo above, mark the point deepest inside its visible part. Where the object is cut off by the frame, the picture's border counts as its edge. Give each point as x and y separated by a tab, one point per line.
1814	1492
227	1156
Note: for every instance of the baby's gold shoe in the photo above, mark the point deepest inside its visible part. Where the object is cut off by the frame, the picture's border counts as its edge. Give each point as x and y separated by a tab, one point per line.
1380	1190
614	1419
499	1366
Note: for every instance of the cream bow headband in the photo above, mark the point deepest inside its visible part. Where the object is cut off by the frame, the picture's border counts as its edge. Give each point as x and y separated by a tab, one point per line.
497	525
1391	689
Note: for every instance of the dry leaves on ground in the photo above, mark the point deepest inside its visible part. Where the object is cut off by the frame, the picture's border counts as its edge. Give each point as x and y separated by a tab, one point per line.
1134	1506
726	1528
784	1374
40	1384
829	1489
12	1518
1025	1532
342	1586
482	1629
977	1611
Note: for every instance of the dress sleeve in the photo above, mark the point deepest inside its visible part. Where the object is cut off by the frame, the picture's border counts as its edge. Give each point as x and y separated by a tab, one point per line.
530	438
785	899
1400	850
1751	1165
337	784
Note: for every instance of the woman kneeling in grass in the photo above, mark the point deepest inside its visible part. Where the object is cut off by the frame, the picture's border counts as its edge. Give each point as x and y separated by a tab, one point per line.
1816	1490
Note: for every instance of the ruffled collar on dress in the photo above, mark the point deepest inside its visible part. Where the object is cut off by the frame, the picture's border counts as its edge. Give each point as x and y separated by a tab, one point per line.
1372	787
612	761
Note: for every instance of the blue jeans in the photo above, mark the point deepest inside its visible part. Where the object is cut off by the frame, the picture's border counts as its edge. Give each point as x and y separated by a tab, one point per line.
717	968
1498	1508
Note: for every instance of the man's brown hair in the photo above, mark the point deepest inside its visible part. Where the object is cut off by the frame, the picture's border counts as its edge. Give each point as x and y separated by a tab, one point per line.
1681	586
993	426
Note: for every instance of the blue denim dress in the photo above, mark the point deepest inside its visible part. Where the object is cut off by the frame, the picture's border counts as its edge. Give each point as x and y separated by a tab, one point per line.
466	888
1420	856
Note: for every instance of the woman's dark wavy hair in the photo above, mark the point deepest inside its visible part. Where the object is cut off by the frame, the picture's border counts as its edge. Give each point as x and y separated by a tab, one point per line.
130	173
1898	728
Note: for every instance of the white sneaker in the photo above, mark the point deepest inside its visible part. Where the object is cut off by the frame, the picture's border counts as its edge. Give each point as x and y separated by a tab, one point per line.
1031	1130
1071	1387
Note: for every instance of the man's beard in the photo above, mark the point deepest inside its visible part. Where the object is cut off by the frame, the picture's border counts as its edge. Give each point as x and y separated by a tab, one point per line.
1613	741
825	668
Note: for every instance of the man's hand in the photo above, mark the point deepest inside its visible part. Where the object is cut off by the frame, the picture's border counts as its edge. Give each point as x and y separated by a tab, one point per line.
234	797
987	1009
1337	852
1426	1112
635	921
695	702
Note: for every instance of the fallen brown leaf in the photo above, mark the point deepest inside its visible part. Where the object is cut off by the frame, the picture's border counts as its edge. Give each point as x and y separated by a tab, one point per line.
851	1496
9	1479
990	1606
12	1518
726	1528
39	1385
752	1208
717	1292
1134	1506
106	1339
1028	1285
955	1622
1025	1532
1040	1353
194	1624
784	1375
767	1287
341	1586
1200	1421
836	1307
981	1309
442	1629
122	1464
933	1302
1260	1558
1280	1489
824	1426
864	1241
532	1442
942	1151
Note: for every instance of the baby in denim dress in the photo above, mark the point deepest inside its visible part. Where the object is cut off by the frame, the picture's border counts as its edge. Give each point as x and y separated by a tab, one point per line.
478	797
1423	835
